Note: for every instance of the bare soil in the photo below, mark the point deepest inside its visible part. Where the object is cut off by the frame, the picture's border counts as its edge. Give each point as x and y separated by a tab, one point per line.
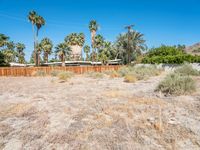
86	113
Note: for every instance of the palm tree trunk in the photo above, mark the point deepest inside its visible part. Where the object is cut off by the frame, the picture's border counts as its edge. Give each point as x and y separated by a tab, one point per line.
34	38
93	33
46	58
37	55
63	61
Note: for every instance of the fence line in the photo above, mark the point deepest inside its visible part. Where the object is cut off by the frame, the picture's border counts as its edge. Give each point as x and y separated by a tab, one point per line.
28	71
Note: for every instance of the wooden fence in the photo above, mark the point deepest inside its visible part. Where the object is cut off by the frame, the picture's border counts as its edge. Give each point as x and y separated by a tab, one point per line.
29	71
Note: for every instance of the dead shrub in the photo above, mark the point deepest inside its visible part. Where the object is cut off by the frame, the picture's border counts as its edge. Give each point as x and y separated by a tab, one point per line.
130	78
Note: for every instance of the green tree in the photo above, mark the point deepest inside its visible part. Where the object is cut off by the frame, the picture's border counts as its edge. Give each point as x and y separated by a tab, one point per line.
98	44
37	21
3	40
86	50
20	52
93	27
106	52
47	46
2	60
32	18
62	50
9	52
75	39
130	45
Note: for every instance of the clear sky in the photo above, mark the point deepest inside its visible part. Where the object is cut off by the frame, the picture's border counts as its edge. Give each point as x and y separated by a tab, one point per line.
161	21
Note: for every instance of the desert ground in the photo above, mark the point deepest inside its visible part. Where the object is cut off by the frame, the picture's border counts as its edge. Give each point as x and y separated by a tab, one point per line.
103	113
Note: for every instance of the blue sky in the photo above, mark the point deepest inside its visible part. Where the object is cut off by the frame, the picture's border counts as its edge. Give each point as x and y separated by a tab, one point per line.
161	21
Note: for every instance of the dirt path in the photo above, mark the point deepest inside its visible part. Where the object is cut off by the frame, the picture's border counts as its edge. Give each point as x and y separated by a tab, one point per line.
86	113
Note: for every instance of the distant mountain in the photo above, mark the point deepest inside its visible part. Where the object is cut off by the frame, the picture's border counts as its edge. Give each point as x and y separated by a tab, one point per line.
194	49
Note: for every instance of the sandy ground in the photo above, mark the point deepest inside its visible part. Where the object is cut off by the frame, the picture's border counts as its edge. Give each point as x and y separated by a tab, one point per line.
85	113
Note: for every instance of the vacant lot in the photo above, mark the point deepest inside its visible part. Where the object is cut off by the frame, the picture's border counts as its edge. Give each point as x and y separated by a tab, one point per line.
86	113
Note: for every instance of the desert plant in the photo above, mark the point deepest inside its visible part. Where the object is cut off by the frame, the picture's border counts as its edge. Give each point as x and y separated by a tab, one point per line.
65	75
187	69
141	72
130	78
94	74
39	73
176	84
55	73
111	73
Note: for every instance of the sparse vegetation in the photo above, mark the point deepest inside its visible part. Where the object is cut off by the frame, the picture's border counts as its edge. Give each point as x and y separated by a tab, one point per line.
140	73
187	69
39	73
95	75
176	84
65	75
130	78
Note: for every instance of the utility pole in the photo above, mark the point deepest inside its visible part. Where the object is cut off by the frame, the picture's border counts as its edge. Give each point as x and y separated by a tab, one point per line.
129	48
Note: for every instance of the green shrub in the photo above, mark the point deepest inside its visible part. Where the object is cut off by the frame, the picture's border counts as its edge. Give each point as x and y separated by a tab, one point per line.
65	75
187	69
169	55
176	84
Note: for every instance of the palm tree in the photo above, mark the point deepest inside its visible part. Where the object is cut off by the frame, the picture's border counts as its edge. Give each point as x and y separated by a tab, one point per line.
9	52
86	50
32	18
62	50
20	52
3	40
98	44
39	22
93	26
75	42
128	48
47	46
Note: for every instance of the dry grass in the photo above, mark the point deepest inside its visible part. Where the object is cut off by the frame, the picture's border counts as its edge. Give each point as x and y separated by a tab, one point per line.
93	114
130	78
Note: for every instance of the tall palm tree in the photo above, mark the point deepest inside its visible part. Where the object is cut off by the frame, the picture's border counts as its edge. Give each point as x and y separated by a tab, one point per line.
62	50
129	45
39	23
32	18
86	50
93	26
47	46
20	52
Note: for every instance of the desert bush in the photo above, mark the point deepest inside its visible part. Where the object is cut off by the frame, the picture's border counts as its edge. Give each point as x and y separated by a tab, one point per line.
55	73
130	78
176	84
124	71
187	69
39	73
140	73
145	72
111	73
94	74
64	75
